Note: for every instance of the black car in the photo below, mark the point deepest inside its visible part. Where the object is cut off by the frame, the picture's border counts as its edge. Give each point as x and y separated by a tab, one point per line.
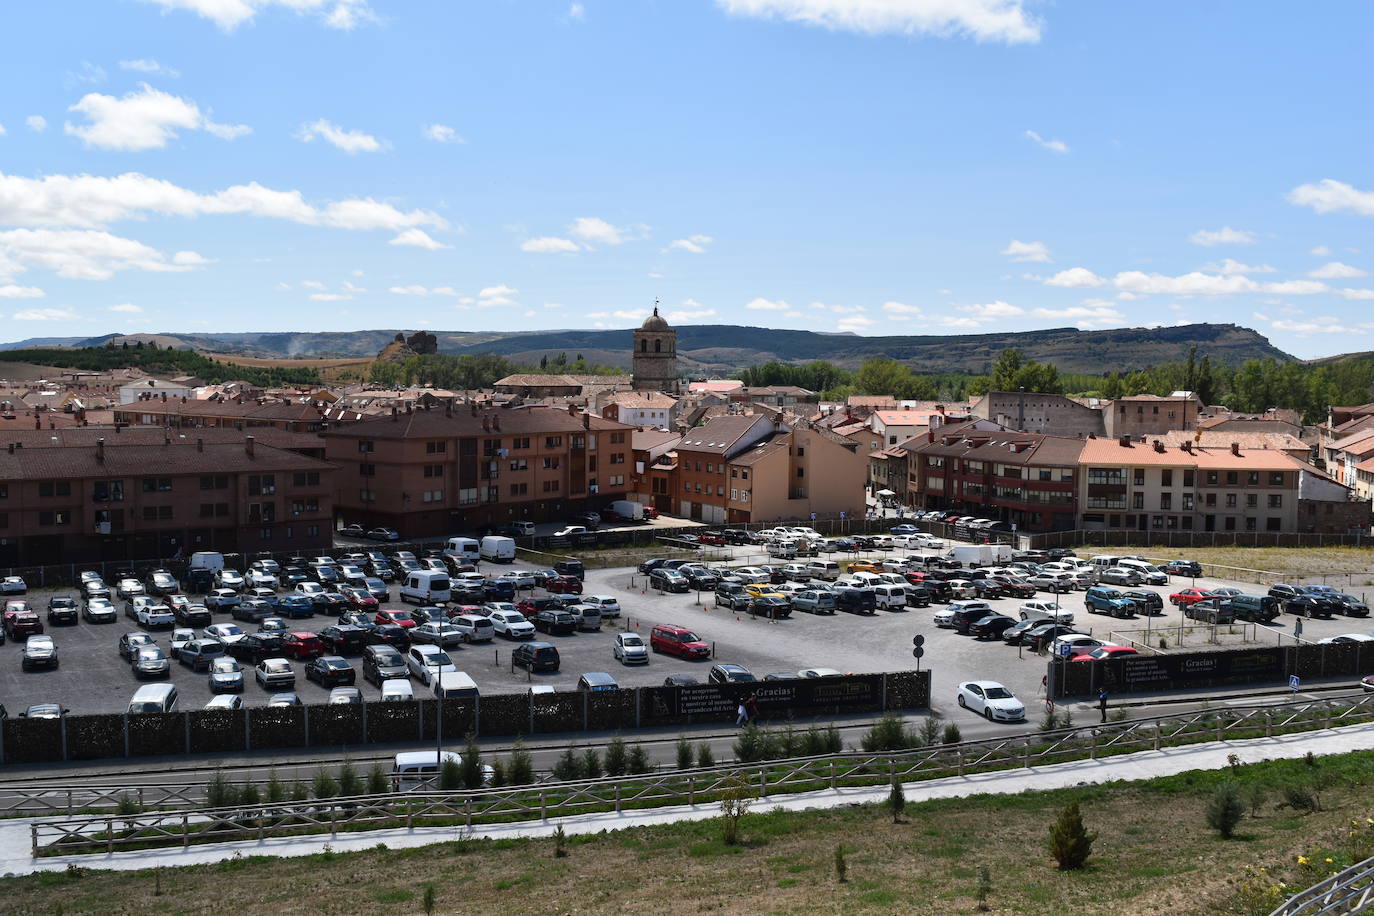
254	647
1325	596
701	578
589	520
987	588
991	626
330	671
1041	636
571	568
1284	592
1308	606
918	595
938	587
1351	606
856	600
535	656
1190	568
774	607
1146	601
668	580
354	619
388	634
252	610
1059	553
680	680
555	623
1014	635
966	617
343	640
292	575
862	542
63	610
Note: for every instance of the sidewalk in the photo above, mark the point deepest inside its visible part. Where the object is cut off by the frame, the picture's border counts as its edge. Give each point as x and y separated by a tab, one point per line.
15	835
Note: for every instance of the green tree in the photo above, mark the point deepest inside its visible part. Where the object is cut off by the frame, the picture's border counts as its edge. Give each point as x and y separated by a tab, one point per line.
472	764
1070	842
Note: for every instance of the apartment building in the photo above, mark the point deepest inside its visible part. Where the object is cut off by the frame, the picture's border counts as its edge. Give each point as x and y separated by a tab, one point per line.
231	413
653	480
1033	412
437	470
114	499
1150	415
1027	479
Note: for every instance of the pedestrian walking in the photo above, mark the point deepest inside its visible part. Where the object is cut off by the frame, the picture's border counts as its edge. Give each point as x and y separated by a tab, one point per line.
1102	702
742	715
751	706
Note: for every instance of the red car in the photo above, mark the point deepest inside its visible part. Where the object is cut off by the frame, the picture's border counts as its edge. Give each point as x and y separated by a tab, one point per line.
650	512
176	601
1185	597
1105	652
22	623
359	600
302	646
678	641
391	615
713	540
564	585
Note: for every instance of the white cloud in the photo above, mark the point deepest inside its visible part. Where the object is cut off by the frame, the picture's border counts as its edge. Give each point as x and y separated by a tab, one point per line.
330	297
854	323
90	74
488	292
441	133
148	66
1075	277
1321	251
1323	325
46	315
312	284
982	20
695	244
127	308
767	305
1057	146
1337	271
992	311
143	119
350	141
2	130
36	123
1027	251
1091	312
1229	268
595	230
949	321
1358	294
691	311
847	309
418	238
1295	288
11	291
80	254
577	12
1328	195
230	14
901	308
1210	238
549	245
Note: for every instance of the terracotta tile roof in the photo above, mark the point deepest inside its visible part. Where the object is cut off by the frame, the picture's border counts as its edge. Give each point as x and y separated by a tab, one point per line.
560	381
643	399
1224	438
79	461
437	423
1109	452
718	436
763	450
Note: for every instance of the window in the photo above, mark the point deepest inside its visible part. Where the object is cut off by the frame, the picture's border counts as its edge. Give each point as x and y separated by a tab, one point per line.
214	482
311	531
157	513
1230	523
307	505
157	484
1156	521
1166	477
1272	524
1106	476
4	491
709	468
1251	500
55	489
1275	501
1251	524
490	447
1166	501
619	481
617	438
519	489
367	470
367	496
1232	478
801	472
1252	478
491	494
552	486
1138	476
1276	478
1106	502
734	493
1211	478
553	442
520	464
214	510
1045	474
306	478
551	463
262	512
365	445
467	496
1230	500
579	442
1188	478
436	448
744	474
56	517
1187	502
262	484
521	442
264	534
686	487
1211	499
107	491
619	458
1155	410
434	470
1137	500
801	451
591	463
433	496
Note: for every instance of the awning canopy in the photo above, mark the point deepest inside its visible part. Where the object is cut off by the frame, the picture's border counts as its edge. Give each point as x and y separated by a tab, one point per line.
886	493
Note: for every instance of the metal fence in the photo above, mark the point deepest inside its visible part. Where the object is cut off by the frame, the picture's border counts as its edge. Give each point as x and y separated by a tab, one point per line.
1349	891
185	824
1152	538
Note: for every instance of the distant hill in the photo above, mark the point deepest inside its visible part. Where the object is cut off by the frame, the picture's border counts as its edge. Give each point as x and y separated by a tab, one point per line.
724	348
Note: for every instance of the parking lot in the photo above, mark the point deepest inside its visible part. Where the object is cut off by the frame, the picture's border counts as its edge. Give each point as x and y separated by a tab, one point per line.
94	678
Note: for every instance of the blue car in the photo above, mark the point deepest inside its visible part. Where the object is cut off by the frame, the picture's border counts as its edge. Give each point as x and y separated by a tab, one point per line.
499	589
905	529
296	606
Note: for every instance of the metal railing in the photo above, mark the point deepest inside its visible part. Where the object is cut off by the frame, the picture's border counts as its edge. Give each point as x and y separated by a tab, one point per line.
1349	891
185	824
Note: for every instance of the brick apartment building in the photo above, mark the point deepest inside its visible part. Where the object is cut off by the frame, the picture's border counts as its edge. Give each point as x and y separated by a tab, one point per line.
115	498
1150	415
440	470
230	413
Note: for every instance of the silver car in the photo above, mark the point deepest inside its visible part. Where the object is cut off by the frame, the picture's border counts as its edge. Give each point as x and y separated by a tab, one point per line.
39	652
225	674
151	662
630	649
439	634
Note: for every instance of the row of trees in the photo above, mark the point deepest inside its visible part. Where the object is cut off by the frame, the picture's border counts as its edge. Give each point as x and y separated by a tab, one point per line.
165	361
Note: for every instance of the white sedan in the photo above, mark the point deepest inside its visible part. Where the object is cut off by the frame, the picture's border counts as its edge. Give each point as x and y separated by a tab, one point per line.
1347	638
129	588
519	578
962	588
13	585
752	575
630	649
991	700
511	624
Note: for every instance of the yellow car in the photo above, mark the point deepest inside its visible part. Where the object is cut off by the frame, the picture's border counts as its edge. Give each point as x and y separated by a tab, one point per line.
865	566
761	591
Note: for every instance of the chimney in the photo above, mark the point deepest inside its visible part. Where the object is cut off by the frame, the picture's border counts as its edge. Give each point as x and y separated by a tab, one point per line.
1159	446
1235	448
572	409
1124	441
1187	446
200	445
586	421
100	450
248	445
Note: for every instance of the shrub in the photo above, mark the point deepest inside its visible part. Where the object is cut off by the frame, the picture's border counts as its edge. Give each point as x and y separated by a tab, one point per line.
833	743
299	791
896	801
984	889
249	795
1300	797
770	744
325	786
929	731
705	758
813	742
841	867
889	733
429	900
1225	810
567	766
276	789
1070	842
790	741
350	783
450	774
220	792
377	783
128	805
472	764
560	842
591	763
639	760
498	773
735	800
684	753
749	745
521	770
1049	721
951	734
1256	794
616	762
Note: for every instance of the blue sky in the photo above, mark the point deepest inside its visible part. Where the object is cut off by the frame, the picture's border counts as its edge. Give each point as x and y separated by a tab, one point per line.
873	166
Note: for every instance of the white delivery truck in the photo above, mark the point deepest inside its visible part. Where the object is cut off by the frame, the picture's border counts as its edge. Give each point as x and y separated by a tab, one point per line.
628	510
466	550
497	549
980	554
426	586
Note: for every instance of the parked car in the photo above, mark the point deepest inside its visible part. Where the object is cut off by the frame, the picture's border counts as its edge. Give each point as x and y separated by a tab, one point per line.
330	671
427	662
629	649
1040	637
1351	606
21	623
1120	575
150	661
13	585
1211	610
197	654
274	674
1189	596
225	632
668	580
438	634
99	610
226	674
1146	602
1104	652
991	700
679	641
383	663
1190	568
1309	606
352	531
254	647
556	622
991	627
535	656
1103	600
730	674
343	639
1044	612
1254	608
39	652
62	611
302	646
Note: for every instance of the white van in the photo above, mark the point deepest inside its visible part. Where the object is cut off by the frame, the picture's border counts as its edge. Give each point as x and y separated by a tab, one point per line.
828	570
466	549
1152	574
207	559
1105	561
419	770
868	579
450	685
154	698
890	596
497	549
426	586
394	688
783	550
